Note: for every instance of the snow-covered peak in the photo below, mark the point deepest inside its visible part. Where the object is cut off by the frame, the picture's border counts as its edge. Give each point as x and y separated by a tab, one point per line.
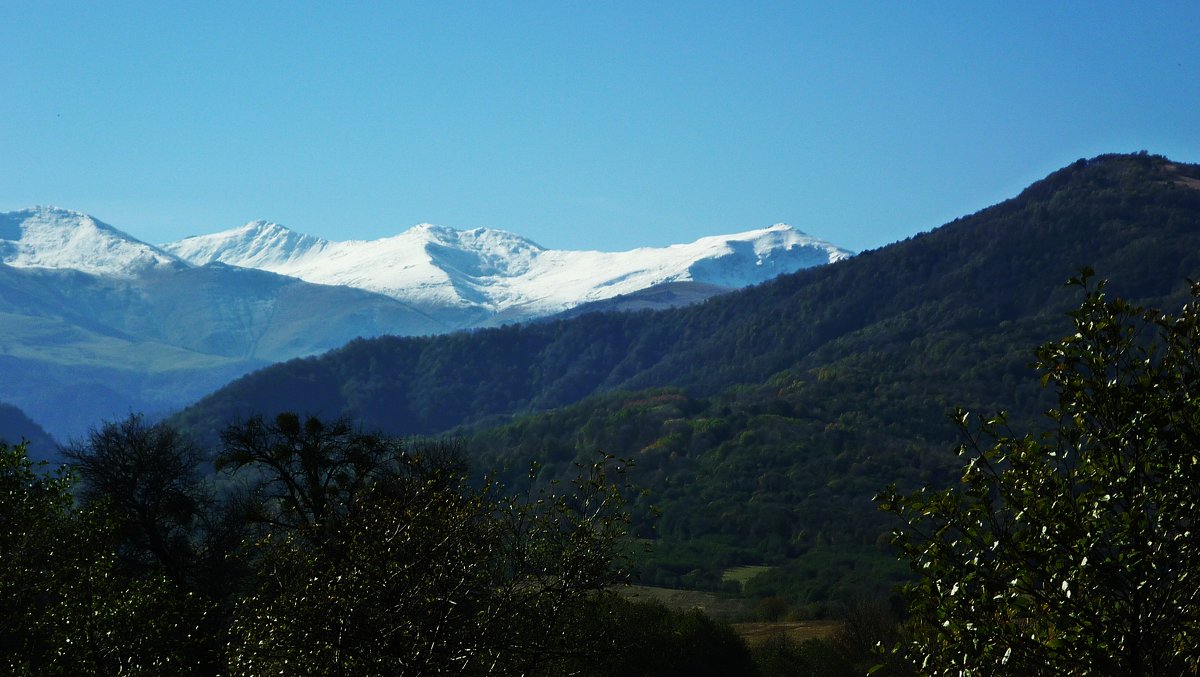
258	244
475	238
427	262
499	273
756	256
769	240
477	252
49	237
484	275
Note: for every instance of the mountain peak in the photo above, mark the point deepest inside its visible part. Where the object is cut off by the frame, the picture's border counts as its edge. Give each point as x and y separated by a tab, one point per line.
1113	170
264	225
433	229
495	273
486	275
51	211
52	237
474	238
257	244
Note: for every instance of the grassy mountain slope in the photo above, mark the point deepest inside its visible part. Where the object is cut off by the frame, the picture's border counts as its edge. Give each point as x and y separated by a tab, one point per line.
77	348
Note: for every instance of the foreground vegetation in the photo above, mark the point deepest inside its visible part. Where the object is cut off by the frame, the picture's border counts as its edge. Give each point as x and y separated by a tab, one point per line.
329	552
320	550
1075	548
326	551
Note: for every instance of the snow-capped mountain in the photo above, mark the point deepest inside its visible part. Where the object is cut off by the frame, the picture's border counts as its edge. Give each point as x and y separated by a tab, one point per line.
503	275
48	237
95	323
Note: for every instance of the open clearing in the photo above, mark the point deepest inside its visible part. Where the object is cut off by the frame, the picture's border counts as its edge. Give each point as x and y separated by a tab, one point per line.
743	574
797	631
720	607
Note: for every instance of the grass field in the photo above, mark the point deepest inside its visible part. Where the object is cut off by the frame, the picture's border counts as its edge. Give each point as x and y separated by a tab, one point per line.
797	631
743	574
734	610
721	607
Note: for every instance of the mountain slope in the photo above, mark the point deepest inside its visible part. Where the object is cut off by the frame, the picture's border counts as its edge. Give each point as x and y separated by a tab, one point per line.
782	471
48	237
658	297
77	348
97	323
765	420
492	276
16	427
1132	217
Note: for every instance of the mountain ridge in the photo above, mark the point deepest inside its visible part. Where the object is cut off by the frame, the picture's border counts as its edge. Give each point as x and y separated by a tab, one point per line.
51	237
802	319
762	422
97	323
497	272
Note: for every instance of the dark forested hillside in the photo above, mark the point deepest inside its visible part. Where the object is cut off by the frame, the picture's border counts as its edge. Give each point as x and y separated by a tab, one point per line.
781	471
763	421
16	427
955	311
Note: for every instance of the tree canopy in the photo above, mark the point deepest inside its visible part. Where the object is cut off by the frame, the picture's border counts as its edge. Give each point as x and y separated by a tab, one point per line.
317	549
1075	547
378	557
66	605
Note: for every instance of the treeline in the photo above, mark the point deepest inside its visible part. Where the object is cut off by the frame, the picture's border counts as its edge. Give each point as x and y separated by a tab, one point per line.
315	550
310	548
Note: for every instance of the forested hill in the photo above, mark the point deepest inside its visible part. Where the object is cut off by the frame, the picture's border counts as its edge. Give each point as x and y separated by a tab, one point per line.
984	285
782	472
16	427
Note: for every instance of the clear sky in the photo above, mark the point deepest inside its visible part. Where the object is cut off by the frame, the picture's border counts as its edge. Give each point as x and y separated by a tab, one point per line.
581	125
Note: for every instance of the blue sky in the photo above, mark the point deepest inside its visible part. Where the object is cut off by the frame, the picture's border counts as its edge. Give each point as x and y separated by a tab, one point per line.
581	125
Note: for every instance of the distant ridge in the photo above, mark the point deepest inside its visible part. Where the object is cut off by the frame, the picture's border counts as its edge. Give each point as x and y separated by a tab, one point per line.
494	276
95	323
1134	218
658	297
16	427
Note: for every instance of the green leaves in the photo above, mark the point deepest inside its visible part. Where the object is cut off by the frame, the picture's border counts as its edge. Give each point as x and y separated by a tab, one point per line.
1072	548
65	607
415	570
362	556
